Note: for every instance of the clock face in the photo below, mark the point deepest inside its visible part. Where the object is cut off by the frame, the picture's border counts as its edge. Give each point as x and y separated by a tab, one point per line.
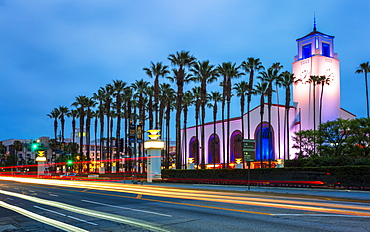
329	74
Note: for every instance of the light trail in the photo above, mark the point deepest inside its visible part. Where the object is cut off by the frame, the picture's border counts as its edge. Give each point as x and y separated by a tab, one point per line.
333	208
88	212
49	221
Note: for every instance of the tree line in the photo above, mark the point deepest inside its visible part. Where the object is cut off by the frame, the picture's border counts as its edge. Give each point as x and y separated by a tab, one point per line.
119	103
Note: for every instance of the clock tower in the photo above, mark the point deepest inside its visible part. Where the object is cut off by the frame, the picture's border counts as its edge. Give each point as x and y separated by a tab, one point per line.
316	58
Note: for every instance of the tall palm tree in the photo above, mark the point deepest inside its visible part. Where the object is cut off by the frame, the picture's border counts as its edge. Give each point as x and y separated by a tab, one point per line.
149	92
365	68
241	90
100	96
261	89
214	97
95	115
169	106
80	104
127	98
323	80
287	80
269	77
204	73
314	80
187	101
55	113
277	66
196	102
181	60
140	87
107	93
63	112
74	114
155	71
228	70
89	104
118	89
251	66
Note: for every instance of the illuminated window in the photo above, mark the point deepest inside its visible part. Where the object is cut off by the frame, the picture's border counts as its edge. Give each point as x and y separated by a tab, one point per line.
306	51
326	49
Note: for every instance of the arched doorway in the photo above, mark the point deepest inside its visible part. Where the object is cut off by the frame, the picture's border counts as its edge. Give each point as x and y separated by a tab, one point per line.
194	149
214	149
264	142
236	144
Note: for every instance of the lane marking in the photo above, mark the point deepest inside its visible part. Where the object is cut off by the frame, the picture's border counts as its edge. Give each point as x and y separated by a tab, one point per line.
81	220
121	207
49	210
49	221
318	215
62	214
53	195
89	212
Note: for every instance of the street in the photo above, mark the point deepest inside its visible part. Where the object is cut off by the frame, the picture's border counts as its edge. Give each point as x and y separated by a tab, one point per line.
63	205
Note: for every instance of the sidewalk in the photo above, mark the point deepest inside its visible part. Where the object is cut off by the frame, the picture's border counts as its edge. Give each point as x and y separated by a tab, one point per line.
313	192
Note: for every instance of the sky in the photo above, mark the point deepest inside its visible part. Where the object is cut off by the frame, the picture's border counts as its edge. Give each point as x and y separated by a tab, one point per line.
53	51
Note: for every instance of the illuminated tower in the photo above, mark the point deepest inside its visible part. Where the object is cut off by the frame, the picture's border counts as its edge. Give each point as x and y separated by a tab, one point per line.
316	57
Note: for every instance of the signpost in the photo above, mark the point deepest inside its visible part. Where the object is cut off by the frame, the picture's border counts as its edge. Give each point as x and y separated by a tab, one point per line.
249	154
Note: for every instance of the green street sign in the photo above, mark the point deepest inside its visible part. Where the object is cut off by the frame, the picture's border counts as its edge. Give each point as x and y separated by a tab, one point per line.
248	149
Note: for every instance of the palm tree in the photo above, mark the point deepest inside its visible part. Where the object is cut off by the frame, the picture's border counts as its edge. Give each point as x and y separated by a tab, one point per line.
149	92
181	60
107	93
187	100
365	68
167	96
261	89
90	103
323	80
228	70
74	114
118	89
314	80
95	114
55	114
204	73
155	71
277	66
100	96
127	98
215	97
80	104
196	101
241	90
287	80
251	66
63	112
269	77
140	86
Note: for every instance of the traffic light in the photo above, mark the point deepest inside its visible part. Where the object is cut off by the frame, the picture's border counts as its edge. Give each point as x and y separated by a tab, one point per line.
69	162
34	146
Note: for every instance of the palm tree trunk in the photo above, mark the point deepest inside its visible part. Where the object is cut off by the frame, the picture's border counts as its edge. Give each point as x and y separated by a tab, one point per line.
367	94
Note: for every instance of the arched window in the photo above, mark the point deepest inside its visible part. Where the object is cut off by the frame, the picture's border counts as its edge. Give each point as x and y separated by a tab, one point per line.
213	149
264	142
194	149
236	144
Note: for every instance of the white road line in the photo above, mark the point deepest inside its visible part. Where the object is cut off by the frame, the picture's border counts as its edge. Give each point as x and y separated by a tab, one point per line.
81	220
9	198
49	210
49	221
78	219
318	215
53	195
138	210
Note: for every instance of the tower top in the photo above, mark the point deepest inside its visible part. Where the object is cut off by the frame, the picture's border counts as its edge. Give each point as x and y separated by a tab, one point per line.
314	22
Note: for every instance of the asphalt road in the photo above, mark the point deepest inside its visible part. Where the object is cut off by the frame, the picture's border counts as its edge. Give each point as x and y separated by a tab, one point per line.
62	205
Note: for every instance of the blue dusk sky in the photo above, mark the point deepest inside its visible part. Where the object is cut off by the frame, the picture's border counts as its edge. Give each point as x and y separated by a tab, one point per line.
53	51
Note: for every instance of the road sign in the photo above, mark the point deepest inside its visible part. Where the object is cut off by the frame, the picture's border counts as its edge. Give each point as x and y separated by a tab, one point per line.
248	149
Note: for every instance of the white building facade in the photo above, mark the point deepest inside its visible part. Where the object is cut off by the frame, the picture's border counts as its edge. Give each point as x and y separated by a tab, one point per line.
316	57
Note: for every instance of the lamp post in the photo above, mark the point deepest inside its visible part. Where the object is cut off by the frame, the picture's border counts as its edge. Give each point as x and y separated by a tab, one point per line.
153	146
